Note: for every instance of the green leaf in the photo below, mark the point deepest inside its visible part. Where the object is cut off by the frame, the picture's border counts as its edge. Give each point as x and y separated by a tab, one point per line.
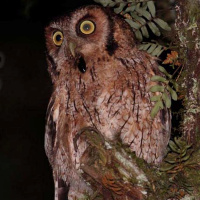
145	32
143	13
183	153
157	88
154	111
131	8
186	157
151	7
137	18
156	108
163	70
104	2
143	5
173	93
144	46
162	24
188	146
155	98
161	104
180	143
138	5
170	161
158	78
112	4
157	51
133	24
167	168
175	84
138	35
171	157
154	28
174	147
120	8
167	100
152	48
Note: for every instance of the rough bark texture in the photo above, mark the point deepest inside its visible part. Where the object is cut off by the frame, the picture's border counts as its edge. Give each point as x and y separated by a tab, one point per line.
111	171
188	29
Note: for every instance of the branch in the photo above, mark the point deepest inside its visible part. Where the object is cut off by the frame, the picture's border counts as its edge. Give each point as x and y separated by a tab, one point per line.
110	170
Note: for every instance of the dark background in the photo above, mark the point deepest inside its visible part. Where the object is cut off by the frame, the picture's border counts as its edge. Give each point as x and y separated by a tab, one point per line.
25	173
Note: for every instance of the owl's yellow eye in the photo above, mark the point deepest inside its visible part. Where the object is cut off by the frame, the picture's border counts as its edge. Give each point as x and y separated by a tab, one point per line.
87	27
58	38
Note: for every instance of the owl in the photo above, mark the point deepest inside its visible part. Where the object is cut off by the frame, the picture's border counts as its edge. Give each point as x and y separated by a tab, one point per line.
101	80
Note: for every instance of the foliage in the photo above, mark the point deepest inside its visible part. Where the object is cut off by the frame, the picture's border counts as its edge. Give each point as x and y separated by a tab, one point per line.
178	175
172	59
112	169
180	164
176	160
152	48
166	92
140	14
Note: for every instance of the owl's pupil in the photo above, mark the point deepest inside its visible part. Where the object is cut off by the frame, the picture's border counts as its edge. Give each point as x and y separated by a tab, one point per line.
58	38
87	27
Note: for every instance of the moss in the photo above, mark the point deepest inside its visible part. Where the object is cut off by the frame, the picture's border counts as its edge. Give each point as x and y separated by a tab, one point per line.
193	173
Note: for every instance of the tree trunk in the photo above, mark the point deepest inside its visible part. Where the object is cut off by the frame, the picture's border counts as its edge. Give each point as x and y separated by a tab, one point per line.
188	30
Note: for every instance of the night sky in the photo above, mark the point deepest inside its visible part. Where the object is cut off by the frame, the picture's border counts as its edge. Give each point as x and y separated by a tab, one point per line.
26	87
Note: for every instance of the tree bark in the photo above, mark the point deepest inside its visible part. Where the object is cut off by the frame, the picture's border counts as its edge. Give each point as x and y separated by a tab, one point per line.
111	170
188	30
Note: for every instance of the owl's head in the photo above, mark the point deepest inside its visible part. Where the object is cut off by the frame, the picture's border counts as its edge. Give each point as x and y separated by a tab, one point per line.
82	35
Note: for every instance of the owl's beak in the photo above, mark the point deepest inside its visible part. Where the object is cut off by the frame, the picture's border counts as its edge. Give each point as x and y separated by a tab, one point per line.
72	47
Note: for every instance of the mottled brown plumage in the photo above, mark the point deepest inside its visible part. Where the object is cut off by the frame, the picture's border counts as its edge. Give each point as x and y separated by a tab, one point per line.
100	80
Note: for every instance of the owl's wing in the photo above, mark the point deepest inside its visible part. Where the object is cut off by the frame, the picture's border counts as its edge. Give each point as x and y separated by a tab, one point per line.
146	136
50	131
61	188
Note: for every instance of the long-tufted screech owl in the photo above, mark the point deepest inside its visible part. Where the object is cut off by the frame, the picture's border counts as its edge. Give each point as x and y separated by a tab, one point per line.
101	80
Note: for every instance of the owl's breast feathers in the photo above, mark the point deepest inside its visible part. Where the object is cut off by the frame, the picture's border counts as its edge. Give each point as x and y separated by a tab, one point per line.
112	96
